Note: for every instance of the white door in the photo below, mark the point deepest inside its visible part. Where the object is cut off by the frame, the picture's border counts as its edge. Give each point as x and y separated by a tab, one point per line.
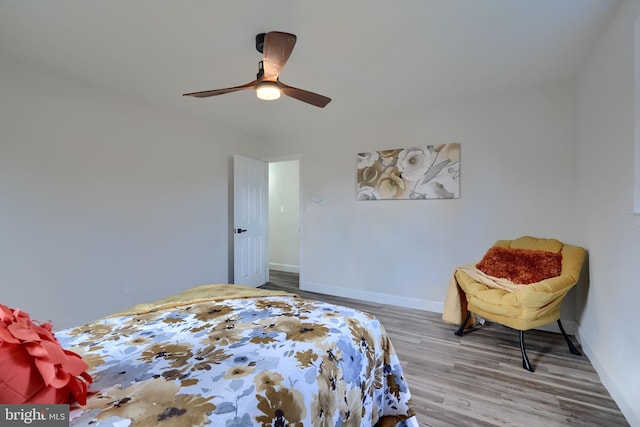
250	221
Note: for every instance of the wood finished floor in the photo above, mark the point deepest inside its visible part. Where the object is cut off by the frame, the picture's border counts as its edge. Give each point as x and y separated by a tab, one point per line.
478	379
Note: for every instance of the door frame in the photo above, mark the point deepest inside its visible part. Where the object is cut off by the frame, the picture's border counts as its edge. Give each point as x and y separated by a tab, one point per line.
299	158
230	215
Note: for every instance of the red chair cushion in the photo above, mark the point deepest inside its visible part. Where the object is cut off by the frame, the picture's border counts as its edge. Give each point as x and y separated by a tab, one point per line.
522	266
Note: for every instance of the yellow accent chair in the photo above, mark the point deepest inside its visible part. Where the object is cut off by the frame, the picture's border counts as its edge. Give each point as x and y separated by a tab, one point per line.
529	306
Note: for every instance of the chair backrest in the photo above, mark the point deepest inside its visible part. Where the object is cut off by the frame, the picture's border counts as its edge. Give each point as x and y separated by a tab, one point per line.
532	243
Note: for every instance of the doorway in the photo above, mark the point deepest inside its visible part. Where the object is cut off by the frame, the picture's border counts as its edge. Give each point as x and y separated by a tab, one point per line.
284	222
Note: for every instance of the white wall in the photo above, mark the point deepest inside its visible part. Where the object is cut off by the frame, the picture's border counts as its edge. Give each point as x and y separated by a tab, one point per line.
605	154
517	177
284	216
99	190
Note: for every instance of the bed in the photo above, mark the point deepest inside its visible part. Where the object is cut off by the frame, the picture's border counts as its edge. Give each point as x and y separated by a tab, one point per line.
228	355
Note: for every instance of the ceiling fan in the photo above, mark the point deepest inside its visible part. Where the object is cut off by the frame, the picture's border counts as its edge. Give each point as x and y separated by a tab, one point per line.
276	48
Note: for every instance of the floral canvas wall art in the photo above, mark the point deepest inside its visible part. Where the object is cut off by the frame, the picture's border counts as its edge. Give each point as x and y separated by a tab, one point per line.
431	172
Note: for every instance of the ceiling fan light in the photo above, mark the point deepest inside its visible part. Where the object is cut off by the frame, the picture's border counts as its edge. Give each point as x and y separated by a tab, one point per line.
268	91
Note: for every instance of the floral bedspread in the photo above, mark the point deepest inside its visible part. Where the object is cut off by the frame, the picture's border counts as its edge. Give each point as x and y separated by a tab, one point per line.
264	361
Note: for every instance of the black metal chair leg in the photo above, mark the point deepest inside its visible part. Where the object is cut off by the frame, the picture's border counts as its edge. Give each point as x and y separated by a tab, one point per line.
525	360
460	330
572	348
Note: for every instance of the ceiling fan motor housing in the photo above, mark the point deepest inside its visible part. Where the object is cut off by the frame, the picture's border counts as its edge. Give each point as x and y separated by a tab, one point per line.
260	42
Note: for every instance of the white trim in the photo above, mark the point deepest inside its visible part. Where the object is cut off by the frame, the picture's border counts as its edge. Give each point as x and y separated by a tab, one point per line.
377	297
284	267
630	411
286	158
636	137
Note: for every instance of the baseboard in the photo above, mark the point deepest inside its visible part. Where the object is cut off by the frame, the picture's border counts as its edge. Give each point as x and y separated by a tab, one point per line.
288	268
630	411
377	297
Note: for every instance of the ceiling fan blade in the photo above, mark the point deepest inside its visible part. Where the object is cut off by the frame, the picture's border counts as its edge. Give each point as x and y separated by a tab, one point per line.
277	49
305	96
207	93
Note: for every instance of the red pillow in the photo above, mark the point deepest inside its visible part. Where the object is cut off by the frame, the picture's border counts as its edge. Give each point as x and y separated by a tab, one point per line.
522	266
35	368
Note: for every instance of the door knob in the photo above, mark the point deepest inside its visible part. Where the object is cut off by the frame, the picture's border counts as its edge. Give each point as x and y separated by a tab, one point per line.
239	230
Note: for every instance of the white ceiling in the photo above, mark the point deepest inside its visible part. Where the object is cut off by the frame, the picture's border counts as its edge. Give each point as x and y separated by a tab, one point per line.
370	57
